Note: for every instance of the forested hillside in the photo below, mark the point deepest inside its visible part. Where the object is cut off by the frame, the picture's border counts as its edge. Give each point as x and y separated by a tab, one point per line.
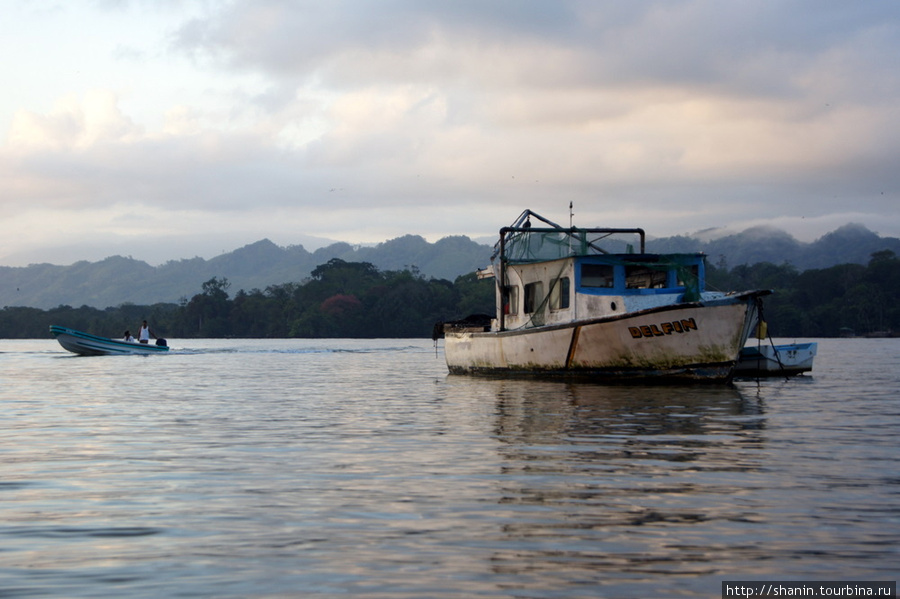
117	280
340	299
355	299
847	299
850	244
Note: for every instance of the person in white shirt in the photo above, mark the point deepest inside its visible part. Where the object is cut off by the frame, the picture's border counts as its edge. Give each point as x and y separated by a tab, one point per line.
145	333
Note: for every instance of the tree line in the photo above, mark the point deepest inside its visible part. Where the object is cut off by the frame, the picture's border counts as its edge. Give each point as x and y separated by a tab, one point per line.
355	299
847	299
339	300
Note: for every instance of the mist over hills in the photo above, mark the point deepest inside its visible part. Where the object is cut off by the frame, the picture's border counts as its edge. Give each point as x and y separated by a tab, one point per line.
117	280
849	244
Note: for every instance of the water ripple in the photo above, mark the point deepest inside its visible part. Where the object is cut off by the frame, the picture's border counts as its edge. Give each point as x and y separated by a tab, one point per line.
331	468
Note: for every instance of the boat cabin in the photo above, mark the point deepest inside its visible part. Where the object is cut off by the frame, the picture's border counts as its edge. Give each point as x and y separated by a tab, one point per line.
566	290
548	276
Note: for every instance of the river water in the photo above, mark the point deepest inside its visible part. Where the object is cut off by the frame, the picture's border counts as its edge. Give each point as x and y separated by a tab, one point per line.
335	468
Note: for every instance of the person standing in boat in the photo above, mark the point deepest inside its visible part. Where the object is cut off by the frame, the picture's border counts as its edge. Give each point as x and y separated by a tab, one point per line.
145	333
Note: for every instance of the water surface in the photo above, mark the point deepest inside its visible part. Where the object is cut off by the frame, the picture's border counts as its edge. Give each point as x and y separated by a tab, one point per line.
361	468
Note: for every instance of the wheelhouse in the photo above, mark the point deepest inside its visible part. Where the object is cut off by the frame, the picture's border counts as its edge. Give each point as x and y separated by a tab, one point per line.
556	276
640	274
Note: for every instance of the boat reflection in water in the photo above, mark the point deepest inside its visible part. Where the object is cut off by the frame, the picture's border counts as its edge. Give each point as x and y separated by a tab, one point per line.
636	481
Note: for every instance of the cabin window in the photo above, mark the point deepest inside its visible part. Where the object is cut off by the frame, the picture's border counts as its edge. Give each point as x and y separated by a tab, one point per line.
511	300
534	293
559	294
691	273
642	277
597	275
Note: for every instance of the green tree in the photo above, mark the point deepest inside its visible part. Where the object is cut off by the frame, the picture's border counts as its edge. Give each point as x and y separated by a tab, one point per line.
206	314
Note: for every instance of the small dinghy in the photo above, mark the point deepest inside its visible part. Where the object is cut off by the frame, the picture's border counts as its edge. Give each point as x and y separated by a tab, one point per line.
776	360
86	344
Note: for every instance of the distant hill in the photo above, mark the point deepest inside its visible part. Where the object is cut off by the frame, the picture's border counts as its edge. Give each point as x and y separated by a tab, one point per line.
117	280
850	244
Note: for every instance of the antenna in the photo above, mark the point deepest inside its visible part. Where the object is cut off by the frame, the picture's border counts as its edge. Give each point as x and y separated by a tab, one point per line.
571	214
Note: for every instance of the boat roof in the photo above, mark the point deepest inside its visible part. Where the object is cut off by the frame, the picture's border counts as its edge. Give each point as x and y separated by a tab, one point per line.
523	243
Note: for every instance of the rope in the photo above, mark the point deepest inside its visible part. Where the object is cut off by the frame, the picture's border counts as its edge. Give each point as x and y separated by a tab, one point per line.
759	309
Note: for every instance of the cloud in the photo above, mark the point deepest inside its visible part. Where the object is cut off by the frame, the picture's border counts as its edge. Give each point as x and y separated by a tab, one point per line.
745	47
73	124
683	85
365	120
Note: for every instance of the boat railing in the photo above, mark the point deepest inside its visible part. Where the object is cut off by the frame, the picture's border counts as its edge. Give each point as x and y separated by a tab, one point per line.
534	244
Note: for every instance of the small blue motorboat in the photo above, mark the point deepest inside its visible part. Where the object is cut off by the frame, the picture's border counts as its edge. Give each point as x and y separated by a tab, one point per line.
86	344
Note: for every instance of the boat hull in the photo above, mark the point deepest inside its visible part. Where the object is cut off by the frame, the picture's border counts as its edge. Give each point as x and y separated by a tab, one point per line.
779	360
86	344
682	342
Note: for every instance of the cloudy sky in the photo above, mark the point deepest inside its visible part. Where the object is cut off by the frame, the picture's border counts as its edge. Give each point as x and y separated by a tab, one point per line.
166	129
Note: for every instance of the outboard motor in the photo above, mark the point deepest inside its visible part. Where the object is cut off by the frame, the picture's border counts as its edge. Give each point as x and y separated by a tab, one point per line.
162	343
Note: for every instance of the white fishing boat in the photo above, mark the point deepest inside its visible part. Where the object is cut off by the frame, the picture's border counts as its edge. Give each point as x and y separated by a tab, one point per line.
86	344
566	305
776	360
